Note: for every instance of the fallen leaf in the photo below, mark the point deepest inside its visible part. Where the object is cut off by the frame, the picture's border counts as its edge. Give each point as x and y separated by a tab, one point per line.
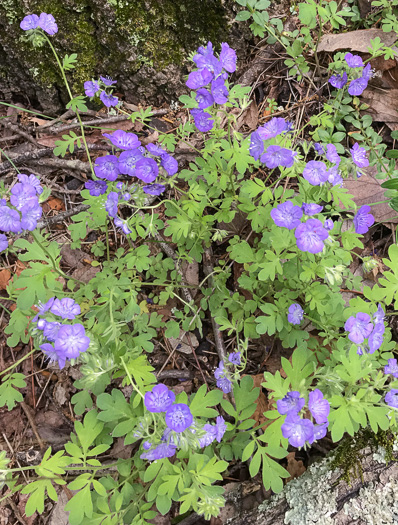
294	467
261	402
358	41
19	268
249	117
53	203
5	276
367	190
382	105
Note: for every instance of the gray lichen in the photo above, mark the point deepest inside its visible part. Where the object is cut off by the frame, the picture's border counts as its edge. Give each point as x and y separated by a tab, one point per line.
308	497
375	505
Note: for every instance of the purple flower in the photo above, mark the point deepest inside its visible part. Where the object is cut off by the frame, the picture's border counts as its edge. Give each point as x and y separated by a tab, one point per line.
295	314
119	223
51	330
318	406
200	78
363	220
9	220
228	58
32	180
320	431
204	98
91	87
275	156
41	324
108	80
178	417
96	187
378	316
332	155
52	355
163	450
65	308
315	172
29	22
123	140
311	208
234	358
391	398
297	430
203	120
209	437
47	23
128	161
111	204
328	225
205	59
154	189
359	327
3	242
353	60
156	151
72	340
392	368
43	308
357	86
359	156
319	148
334	176
159	399
108	99
338	81
31	213
287	215
22	194
272	128
146	170
256	147
223	381
376	337
367	72
221	427
107	167
310	236
292	403
169	163
219	90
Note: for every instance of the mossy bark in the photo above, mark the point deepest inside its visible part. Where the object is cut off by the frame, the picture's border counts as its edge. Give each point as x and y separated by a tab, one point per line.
142	43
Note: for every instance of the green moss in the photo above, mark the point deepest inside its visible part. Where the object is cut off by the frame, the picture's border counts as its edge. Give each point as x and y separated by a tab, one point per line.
348	455
119	37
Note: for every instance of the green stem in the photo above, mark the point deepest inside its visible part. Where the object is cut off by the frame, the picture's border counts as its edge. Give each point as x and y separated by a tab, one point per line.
71	98
17	362
131	379
9	160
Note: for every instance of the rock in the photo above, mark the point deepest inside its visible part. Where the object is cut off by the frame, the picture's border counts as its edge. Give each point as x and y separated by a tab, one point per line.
143	44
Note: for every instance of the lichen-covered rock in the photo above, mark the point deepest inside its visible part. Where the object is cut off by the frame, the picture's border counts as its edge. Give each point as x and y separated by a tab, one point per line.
142	43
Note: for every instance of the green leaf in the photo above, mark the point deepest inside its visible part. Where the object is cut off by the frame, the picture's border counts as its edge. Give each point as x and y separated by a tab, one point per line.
9	395
69	61
202	400
242	16
392	154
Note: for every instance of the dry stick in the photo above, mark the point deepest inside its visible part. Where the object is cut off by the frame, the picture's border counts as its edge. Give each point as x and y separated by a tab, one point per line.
31	155
218	338
23	134
75	164
97	122
17	514
175	374
49	221
32	422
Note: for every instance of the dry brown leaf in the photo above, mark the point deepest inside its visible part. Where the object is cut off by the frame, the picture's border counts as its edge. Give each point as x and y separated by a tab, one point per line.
262	402
294	467
19	268
53	203
382	105
249	117
366	190
5	276
358	41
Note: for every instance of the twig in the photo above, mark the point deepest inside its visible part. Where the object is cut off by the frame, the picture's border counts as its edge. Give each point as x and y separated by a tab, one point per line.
75	164
49	221
175	374
96	122
17	514
32	422
20	159
23	134
218	338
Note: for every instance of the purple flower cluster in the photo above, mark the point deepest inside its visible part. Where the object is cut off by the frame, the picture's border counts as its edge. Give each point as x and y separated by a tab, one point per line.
300	430
362	327
214	71
62	341
310	234
223	378
103	87
23	211
358	85
44	21
274	156
178	418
